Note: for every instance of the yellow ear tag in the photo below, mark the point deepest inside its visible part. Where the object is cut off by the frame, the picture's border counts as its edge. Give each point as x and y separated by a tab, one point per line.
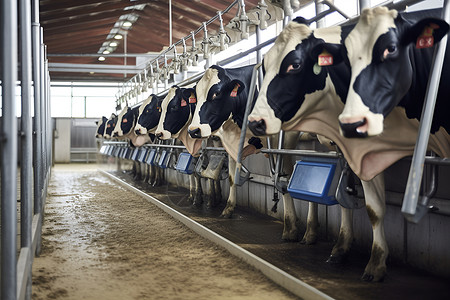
325	59
192	98
234	91
159	109
426	39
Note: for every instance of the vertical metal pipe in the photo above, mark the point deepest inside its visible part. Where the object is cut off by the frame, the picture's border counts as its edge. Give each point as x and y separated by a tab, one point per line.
410	210
170	22
363	4
26	161
320	8
42	112
9	151
36	41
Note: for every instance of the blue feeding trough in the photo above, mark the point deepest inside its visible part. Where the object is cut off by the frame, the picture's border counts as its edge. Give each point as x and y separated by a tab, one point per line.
142	155
185	163
151	157
314	180
163	159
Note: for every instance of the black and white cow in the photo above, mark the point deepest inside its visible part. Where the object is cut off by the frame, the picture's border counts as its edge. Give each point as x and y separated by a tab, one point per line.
390	55
110	125
221	100
101	127
298	94
147	121
176	113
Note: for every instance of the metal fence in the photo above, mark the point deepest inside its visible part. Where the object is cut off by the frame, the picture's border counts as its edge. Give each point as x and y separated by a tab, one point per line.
35	143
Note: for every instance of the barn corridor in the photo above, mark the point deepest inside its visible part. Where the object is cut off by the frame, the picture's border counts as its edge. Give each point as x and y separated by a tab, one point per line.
100	241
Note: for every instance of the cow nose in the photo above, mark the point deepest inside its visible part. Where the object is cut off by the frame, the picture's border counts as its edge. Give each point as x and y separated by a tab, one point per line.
159	135
115	134
138	131
350	130
257	127
195	133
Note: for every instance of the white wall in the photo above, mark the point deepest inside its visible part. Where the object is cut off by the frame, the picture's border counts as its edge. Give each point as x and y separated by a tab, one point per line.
62	140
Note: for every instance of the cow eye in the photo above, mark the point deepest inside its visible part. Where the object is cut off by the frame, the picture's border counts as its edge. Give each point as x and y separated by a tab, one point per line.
293	68
390	50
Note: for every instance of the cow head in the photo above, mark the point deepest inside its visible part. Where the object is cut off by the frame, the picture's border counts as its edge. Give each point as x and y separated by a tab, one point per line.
380	52
177	109
125	121
292	77
219	94
101	127
149	114
110	125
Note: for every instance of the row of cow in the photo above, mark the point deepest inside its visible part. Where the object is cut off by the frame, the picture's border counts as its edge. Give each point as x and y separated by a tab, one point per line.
366	80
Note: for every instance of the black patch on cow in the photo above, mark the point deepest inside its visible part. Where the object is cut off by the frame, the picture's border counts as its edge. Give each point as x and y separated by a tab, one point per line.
111	124
101	128
149	118
129	120
220	101
179	110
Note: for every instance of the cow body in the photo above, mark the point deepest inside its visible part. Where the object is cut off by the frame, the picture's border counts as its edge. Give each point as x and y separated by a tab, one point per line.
221	100
390	57
101	127
176	114
312	103
110	125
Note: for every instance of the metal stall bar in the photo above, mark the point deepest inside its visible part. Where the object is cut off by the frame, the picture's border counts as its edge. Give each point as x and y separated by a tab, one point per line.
37	162
411	209
26	162
9	150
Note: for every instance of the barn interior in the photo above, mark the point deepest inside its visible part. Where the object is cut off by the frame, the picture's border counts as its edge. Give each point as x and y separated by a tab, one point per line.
74	203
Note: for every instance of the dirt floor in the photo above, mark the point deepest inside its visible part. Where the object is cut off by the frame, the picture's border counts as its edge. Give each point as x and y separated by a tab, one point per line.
100	241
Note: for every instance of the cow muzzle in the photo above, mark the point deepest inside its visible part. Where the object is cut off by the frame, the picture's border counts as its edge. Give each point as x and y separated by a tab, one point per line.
195	133
357	129
258	127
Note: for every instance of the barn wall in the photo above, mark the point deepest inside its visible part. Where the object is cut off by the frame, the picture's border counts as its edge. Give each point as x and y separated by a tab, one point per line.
62	140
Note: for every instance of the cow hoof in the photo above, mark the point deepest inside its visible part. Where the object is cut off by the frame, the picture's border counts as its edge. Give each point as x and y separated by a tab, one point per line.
373	277
226	215
336	259
309	240
290	236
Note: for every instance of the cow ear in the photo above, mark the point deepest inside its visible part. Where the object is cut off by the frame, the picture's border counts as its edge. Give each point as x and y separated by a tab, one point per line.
236	87
426	32
189	95
327	54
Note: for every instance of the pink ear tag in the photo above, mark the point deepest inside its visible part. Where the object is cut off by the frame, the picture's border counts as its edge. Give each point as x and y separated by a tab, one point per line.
325	59
235	90
124	121
192	98
183	102
426	39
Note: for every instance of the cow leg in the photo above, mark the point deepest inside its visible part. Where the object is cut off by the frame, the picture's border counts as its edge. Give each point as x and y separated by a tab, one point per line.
231	202
152	175
197	192
376	209
290	231
217	191
312	224
345	239
213	193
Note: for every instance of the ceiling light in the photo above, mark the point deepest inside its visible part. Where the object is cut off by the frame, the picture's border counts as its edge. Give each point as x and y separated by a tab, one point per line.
106	52
127	24
101	58
113	44
118	36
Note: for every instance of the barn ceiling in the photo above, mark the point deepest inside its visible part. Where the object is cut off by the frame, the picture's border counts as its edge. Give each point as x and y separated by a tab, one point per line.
84	27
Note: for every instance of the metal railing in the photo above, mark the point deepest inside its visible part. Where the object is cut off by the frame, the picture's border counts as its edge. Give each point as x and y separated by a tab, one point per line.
36	150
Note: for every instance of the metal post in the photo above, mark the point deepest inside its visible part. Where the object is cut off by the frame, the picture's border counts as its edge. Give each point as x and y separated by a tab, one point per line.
42	112
363	4
26	161
410	209
9	151
320	8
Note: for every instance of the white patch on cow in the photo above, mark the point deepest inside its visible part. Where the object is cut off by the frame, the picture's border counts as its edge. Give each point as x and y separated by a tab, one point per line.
160	128
118	128
141	129
210	78
359	43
